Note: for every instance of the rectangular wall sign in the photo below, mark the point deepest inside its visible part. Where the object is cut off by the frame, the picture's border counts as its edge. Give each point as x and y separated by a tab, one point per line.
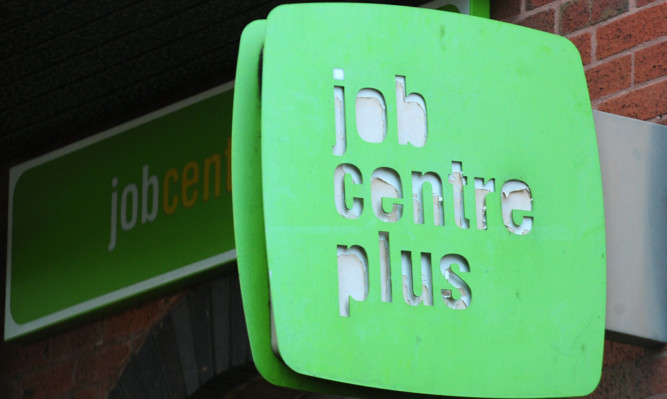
138	207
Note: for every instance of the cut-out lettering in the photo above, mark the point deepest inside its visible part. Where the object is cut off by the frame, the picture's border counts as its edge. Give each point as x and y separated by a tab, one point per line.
352	276
385	266
411	115
339	191
457	180
339	109
386	184
481	191
371	116
446	269
426	279
516	196
386	199
435	197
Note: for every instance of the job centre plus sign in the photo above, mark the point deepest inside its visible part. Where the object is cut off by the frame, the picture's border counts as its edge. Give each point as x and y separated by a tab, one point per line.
386	186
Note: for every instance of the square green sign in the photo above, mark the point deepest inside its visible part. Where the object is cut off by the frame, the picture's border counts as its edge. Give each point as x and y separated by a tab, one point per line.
431	203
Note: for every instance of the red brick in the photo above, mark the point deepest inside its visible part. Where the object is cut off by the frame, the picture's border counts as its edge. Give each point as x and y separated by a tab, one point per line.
101	365
74	341
656	373
602	10
133	320
49	383
645	103
10	389
609	77
505	9
651	62
104	386
617	353
88	393
637	379
583	43
574	15
544	21
639	27
531	4
641	3
17	358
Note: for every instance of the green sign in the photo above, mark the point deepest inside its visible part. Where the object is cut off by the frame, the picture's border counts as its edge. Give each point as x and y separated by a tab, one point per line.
428	190
478	8
126	211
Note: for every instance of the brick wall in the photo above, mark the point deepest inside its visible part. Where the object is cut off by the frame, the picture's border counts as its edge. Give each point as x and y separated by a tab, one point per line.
82	363
630	372
623	46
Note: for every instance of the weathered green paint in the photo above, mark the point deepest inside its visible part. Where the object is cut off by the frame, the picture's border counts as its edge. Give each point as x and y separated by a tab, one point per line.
63	258
506	103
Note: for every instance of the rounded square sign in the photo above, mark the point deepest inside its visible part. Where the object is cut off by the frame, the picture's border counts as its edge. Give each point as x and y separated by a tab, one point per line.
432	203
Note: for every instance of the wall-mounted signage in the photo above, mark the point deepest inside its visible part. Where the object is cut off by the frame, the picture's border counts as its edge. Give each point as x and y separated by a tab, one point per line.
428	190
124	212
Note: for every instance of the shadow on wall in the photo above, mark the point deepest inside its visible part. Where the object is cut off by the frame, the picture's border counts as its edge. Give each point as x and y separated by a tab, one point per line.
200	350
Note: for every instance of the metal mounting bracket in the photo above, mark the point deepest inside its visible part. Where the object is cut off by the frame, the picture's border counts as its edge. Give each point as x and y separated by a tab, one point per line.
633	160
